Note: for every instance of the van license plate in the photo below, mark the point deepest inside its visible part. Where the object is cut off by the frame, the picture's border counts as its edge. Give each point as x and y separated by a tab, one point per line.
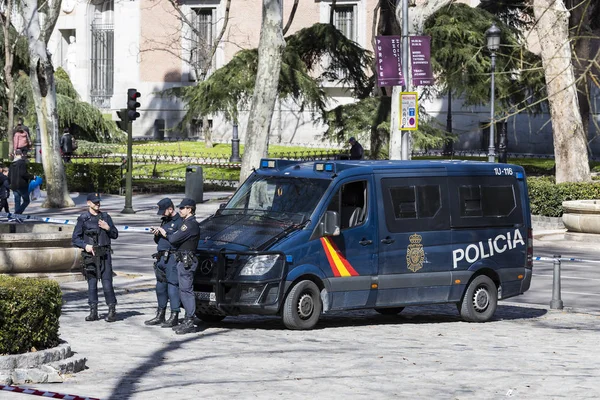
206	296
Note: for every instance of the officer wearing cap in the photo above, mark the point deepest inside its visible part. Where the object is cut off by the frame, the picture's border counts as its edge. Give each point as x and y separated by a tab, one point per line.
93	232
185	241
165	267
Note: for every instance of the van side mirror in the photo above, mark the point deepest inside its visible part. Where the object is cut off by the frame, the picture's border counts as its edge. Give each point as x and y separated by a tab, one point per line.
222	205
331	223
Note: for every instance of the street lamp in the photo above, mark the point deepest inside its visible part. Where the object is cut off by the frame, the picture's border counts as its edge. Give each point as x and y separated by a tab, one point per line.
492	36
235	145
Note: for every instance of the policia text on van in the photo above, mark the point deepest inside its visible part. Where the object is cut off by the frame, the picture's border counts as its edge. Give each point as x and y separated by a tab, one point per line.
303	238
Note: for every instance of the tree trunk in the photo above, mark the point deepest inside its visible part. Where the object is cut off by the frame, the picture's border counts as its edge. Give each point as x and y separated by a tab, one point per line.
207	133
9	57
570	142
270	50
41	76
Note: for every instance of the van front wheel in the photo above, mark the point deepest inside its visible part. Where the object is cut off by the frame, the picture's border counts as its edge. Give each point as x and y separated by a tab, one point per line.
480	300
302	306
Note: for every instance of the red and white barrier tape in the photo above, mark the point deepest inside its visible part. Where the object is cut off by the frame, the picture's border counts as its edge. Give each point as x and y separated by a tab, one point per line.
52	395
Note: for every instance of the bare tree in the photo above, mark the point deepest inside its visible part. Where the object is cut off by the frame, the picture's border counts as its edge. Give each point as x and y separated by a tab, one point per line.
200	52
270	50
570	141
10	45
41	75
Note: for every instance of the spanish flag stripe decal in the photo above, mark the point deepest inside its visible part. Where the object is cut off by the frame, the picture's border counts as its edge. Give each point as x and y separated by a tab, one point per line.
336	260
329	258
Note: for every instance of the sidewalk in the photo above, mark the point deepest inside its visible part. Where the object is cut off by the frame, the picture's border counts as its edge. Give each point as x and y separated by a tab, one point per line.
425	352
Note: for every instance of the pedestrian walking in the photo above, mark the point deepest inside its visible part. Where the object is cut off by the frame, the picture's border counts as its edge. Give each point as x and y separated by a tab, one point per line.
93	233
165	266
356	151
4	190
21	138
67	145
185	243
19	181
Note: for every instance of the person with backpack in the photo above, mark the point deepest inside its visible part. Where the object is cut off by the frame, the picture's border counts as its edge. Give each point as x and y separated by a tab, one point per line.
67	145
21	141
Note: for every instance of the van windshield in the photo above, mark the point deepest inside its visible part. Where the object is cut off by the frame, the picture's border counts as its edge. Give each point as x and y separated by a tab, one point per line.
277	197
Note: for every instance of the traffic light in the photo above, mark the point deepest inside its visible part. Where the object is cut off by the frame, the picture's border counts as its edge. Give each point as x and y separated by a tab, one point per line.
124	120
132	104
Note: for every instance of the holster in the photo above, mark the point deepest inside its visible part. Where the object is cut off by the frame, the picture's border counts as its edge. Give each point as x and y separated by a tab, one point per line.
161	275
187	258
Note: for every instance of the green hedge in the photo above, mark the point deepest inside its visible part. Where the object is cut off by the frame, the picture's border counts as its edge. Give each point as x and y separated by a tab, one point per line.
546	196
29	313
87	177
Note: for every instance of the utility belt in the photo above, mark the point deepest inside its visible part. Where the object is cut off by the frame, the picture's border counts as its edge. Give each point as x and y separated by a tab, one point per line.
188	258
163	253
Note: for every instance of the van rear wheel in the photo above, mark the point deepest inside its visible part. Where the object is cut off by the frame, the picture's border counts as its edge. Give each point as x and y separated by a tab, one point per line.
389	311
480	300
302	306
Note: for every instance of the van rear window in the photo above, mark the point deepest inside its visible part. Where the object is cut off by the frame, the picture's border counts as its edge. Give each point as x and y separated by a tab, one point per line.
485	201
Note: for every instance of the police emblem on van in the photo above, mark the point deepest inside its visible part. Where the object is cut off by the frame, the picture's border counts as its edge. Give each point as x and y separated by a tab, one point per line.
415	255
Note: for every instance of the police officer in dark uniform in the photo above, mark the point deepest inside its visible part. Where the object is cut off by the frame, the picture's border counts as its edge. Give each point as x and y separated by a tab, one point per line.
185	242
93	232
165	267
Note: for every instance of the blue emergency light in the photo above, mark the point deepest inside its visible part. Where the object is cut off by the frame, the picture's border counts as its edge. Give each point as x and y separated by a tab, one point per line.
324	167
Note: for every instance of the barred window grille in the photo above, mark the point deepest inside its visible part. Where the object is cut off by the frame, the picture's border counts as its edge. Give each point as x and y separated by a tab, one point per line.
203	38
102	64
344	19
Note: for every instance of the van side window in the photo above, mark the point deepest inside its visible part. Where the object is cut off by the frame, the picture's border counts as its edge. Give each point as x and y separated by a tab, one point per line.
351	204
485	201
415	204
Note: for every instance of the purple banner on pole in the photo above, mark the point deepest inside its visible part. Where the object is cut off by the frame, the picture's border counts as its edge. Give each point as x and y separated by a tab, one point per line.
420	56
389	61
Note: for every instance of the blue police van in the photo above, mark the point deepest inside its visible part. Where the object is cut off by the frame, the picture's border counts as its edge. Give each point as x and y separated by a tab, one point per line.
301	239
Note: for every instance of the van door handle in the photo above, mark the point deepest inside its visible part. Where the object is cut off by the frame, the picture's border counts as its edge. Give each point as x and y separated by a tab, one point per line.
365	242
387	240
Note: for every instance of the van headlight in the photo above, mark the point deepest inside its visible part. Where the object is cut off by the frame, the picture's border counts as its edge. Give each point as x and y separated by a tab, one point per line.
259	265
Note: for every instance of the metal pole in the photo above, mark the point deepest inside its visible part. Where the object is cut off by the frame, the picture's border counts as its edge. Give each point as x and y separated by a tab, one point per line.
128	204
235	146
556	302
492	148
404	135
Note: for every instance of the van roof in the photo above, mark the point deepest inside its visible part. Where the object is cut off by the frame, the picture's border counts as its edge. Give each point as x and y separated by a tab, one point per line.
327	168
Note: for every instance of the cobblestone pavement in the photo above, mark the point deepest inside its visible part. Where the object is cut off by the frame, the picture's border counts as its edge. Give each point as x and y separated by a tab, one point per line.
526	352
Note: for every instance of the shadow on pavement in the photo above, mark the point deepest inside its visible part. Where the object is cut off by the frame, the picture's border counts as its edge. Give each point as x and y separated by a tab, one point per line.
411	315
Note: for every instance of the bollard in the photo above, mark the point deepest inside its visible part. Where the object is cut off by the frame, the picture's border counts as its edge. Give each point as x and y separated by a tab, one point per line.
556	302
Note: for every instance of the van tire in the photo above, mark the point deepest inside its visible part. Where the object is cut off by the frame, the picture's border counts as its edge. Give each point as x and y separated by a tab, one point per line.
210	317
302	307
480	300
389	311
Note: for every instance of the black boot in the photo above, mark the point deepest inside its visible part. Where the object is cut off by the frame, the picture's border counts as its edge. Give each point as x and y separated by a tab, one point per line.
112	314
172	321
159	319
93	313
186	327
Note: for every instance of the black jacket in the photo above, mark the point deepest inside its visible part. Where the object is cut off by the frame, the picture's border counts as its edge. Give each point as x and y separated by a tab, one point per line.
66	143
4	186
87	230
356	151
186	238
18	175
170	225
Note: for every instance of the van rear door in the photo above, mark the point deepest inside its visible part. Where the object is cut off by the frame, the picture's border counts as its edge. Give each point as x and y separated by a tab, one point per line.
415	241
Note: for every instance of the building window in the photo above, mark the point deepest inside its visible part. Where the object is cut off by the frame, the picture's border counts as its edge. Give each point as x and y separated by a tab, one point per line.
344	19
102	55
202	39
197	128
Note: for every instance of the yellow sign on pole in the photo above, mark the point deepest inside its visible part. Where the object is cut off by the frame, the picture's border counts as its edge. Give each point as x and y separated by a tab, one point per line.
409	111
